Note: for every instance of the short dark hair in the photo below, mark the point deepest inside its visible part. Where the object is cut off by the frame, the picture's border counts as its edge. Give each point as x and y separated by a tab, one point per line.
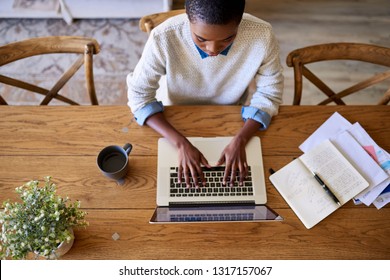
218	12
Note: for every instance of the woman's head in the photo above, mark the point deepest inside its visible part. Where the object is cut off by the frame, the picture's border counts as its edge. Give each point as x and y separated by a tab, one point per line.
214	23
215	12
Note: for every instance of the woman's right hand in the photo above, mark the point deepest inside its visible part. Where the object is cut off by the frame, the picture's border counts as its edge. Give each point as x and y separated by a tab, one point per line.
190	158
190	164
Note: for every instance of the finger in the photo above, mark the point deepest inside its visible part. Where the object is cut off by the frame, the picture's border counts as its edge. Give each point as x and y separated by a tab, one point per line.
204	161
243	172
200	176
226	174
233	173
180	174
187	177
200	172
221	159
194	175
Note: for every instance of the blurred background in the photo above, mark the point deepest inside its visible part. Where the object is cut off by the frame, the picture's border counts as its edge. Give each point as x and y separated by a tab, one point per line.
296	24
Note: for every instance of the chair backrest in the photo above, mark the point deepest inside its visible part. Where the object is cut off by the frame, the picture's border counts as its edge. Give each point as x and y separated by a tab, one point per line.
86	47
338	51
148	22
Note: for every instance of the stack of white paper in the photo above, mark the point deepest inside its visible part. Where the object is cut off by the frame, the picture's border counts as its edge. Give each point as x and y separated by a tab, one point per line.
361	150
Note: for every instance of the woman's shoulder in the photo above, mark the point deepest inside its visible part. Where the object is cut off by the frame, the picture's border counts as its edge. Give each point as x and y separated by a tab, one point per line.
249	20
174	24
254	29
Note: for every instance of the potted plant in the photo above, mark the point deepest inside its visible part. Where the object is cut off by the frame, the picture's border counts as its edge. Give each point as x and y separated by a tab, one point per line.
39	223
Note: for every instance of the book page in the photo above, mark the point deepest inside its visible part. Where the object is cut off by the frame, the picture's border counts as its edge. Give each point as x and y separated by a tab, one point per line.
303	193
335	170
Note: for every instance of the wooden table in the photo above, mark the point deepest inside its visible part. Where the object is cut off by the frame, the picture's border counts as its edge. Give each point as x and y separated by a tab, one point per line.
63	142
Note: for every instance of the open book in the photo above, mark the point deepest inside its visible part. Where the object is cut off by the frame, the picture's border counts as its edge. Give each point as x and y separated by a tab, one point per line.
304	194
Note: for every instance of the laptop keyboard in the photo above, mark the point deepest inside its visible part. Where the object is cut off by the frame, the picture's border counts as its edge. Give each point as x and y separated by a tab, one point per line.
211	217
213	186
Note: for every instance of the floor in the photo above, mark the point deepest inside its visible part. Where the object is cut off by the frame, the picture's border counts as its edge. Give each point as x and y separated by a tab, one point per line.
296	23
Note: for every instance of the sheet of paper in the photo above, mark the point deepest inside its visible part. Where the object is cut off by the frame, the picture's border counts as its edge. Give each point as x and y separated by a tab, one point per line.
332	126
371	146
364	164
377	153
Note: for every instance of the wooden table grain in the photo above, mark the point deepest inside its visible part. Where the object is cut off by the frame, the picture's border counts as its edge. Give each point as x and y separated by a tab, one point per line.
63	142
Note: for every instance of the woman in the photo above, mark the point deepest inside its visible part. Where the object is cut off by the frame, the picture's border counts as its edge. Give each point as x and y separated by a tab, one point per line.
209	55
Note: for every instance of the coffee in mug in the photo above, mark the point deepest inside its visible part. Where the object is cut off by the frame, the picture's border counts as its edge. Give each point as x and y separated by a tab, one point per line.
113	161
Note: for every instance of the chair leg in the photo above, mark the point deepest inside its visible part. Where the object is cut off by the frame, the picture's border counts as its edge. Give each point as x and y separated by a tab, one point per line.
385	99
298	82
88	65
2	101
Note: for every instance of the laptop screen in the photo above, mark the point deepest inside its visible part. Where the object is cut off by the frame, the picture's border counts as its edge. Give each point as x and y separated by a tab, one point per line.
214	213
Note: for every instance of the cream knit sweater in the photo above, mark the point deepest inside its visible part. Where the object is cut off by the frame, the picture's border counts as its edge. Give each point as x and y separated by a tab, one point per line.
221	79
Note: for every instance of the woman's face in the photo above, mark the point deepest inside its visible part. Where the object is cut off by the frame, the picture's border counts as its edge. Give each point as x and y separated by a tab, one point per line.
213	39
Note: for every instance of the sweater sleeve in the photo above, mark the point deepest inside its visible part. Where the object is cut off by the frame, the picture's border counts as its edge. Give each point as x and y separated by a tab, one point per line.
269	81
143	82
253	113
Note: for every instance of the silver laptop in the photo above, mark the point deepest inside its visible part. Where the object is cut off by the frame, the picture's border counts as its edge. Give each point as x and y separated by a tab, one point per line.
214	198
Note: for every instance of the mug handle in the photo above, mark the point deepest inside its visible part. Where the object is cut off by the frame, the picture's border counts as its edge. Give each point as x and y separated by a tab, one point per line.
128	147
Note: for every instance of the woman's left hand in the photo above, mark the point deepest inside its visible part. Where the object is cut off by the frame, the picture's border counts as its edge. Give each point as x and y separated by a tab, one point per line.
234	157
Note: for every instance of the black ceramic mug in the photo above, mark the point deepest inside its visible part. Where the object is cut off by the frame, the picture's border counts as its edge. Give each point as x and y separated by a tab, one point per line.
113	161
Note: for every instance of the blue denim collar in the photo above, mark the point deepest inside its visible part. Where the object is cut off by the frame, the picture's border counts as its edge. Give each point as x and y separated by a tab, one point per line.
203	55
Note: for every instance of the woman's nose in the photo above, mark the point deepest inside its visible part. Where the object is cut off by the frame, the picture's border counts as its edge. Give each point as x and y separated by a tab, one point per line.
213	48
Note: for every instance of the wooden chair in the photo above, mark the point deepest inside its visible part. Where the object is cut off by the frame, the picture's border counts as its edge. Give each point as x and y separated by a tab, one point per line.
148	22
338	51
86	47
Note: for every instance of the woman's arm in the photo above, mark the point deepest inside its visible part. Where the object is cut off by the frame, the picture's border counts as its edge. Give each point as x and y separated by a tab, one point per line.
190	158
